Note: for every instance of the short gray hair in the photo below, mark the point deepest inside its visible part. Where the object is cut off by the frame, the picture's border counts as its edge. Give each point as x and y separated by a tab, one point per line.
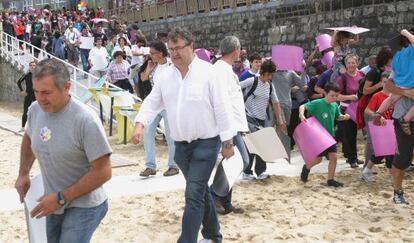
52	67
229	44
180	33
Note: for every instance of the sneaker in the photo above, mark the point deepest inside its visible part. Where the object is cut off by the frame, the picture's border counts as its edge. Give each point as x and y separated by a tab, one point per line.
367	177
206	241
305	173
147	172
410	168
334	183
263	176
354	165
399	198
248	177
171	171
360	162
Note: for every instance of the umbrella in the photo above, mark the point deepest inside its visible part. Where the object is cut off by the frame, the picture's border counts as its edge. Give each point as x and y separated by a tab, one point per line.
98	20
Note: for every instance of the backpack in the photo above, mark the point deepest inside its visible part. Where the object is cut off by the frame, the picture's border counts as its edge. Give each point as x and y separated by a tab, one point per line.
253	88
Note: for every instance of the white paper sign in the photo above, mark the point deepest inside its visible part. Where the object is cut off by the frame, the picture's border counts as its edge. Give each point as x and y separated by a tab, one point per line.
228	171
86	42
266	144
35	227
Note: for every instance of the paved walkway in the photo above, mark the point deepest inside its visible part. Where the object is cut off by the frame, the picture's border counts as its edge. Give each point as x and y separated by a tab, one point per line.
135	185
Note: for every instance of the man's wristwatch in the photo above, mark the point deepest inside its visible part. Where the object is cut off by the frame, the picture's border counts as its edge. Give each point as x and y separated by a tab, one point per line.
60	199
227	145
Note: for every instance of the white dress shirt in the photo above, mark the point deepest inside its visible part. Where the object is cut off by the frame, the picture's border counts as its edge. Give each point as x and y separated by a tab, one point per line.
196	105
98	58
234	93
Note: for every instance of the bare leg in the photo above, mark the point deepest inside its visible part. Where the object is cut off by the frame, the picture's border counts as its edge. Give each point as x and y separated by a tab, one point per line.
398	177
332	165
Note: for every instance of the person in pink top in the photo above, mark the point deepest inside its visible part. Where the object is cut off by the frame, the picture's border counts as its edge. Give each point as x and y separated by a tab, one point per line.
347	130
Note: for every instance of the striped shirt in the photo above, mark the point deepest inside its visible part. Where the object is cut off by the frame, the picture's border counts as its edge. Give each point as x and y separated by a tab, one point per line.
256	104
118	72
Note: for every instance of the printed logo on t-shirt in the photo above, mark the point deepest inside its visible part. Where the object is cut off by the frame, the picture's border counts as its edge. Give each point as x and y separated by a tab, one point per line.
45	134
325	115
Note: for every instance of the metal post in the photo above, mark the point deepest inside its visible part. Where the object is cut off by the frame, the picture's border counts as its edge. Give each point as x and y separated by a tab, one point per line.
125	130
111	116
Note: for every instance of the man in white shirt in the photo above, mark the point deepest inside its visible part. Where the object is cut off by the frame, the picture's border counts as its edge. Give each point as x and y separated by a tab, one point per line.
72	40
199	117
98	58
230	51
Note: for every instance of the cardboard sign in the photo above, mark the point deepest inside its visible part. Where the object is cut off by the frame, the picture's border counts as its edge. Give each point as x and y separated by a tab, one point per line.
36	227
288	57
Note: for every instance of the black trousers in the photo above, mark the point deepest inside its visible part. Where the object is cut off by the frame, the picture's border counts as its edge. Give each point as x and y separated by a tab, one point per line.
348	133
294	121
124	84
28	100
260	165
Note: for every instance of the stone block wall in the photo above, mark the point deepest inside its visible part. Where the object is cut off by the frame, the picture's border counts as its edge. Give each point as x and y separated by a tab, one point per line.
295	22
8	83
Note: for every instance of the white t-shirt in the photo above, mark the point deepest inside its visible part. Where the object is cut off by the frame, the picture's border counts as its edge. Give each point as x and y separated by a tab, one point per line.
139	60
98	58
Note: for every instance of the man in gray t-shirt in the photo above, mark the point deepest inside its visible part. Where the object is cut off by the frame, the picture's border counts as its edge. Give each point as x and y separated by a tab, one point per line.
283	82
70	144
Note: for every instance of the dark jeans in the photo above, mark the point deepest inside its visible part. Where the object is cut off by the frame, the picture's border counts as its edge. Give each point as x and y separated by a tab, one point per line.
294	121
239	143
348	132
28	100
196	160
260	165
84	55
124	84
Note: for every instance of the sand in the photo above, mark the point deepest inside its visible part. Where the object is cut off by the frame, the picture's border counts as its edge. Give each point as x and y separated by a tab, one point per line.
281	209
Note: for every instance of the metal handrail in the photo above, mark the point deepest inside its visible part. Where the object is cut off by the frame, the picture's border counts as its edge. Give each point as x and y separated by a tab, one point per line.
9	48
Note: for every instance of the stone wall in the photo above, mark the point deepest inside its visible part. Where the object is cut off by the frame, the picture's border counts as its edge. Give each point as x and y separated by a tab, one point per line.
8	86
294	22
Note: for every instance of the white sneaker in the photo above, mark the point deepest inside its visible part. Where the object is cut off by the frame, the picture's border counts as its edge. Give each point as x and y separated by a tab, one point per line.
206	241
263	176
367	176
248	177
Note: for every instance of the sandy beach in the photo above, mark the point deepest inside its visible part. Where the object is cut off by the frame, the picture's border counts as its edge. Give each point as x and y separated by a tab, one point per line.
280	209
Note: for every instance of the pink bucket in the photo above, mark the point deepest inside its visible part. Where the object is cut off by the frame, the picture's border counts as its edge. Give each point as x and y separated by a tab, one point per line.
312	139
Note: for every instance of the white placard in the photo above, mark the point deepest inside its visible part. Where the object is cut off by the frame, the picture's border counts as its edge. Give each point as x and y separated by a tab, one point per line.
228	171
35	227
86	42
266	144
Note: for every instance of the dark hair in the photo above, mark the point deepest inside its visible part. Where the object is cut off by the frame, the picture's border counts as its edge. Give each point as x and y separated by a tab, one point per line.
341	35
254	56
98	39
159	46
182	34
404	42
267	67
118	53
57	34
332	86
122	38
141	39
384	55
385	74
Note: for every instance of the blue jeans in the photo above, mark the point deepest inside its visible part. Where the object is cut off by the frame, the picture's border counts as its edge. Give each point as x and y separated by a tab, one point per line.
84	54
75	224
149	142
196	160
239	143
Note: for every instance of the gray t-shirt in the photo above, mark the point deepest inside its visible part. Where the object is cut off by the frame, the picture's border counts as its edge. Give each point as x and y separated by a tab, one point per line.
402	106
65	143
283	82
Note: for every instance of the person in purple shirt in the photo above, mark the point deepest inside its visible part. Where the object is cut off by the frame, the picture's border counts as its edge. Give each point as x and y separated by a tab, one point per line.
238	68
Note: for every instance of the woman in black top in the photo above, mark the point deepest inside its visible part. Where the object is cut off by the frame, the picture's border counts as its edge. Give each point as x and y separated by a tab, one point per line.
28	93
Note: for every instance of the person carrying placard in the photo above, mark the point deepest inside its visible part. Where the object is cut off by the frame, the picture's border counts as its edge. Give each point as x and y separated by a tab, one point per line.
326	111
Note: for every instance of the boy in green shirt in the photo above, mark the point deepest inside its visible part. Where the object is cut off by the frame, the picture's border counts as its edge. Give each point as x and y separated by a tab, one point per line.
326	111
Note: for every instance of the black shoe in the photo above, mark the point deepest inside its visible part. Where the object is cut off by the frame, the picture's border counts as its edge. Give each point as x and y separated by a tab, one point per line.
334	183
360	162
305	173
399	198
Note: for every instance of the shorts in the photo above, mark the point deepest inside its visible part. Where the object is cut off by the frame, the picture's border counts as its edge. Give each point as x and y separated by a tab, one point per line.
378	160
331	149
405	146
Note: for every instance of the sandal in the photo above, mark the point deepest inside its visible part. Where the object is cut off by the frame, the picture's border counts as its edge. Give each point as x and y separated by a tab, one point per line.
405	126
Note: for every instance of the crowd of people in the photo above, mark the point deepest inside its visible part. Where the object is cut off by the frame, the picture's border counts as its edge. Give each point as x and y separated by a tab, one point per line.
233	93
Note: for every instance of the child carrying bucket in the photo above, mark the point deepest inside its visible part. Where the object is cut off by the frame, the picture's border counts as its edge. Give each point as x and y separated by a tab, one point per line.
373	105
326	111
